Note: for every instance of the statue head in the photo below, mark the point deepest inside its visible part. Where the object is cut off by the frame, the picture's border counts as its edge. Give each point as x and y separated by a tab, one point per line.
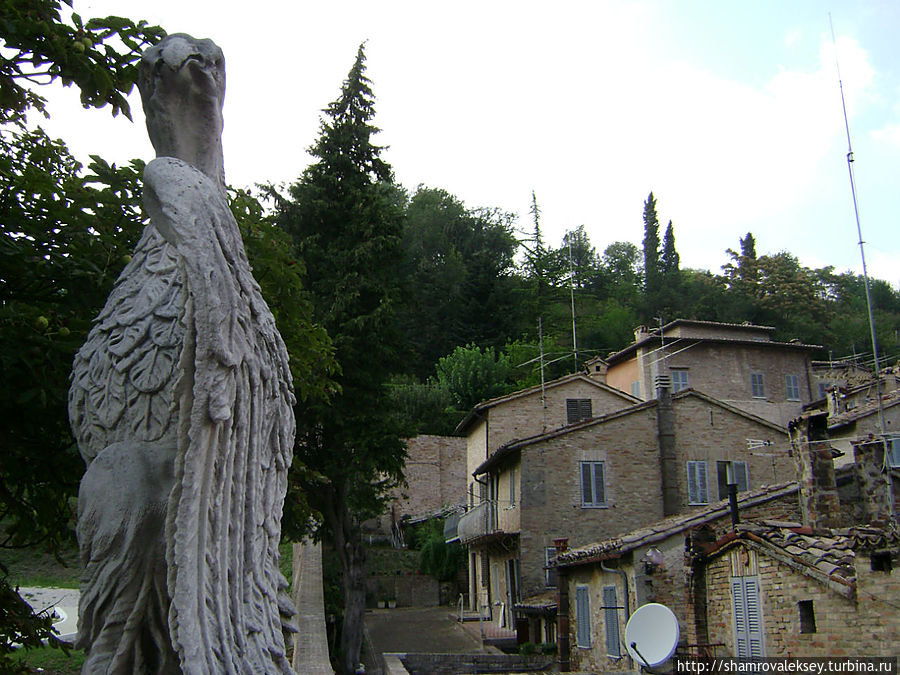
182	85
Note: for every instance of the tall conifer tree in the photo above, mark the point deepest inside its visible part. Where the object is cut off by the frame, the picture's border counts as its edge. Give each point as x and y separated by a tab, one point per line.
345	217
651	248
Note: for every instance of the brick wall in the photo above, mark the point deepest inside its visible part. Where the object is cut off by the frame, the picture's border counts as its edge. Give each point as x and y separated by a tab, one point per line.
457	664
865	625
723	370
705	431
672	584
435	475
551	489
524	417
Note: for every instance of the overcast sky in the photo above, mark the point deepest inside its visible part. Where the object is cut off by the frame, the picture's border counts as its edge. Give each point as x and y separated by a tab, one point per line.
730	112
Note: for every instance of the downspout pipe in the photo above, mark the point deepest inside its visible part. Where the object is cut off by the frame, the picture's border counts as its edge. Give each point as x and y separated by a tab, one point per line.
621	573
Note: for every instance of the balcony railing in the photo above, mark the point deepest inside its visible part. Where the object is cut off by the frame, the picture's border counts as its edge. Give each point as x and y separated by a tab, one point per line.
478	522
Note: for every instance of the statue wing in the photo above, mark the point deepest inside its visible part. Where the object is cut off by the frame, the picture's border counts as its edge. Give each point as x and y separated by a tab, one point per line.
234	401
123	377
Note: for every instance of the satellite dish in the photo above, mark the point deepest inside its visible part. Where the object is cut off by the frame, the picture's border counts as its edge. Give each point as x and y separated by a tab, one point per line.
651	634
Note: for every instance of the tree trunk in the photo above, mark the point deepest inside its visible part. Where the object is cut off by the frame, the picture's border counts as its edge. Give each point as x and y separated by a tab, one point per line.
354	603
348	543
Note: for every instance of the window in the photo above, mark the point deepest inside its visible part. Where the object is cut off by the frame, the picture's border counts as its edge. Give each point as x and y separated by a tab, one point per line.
578	409
807	616
636	388
593	485
893	445
582	617
550	575
680	379
512	487
738	474
881	561
757	385
748	638
792	387
611	621
698	488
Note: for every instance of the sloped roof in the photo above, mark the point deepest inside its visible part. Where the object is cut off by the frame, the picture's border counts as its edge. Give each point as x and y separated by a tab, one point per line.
653	336
665	528
521	393
888	400
827	555
517	444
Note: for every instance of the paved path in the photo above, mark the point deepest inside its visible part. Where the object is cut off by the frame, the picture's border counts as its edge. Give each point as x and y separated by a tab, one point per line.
311	641
62	601
422	630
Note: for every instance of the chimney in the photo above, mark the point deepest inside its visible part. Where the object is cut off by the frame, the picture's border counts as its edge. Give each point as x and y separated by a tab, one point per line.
665	421
819	503
868	458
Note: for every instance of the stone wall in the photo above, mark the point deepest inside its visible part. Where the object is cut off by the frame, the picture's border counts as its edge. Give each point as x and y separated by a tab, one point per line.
865	625
551	489
457	664
672	584
524	417
409	590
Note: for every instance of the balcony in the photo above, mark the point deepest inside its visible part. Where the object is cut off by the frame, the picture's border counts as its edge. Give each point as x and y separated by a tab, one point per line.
478	522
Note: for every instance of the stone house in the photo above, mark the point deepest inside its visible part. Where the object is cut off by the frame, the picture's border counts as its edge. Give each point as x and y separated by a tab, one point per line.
809	566
739	364
775	590
599	477
603	583
494	501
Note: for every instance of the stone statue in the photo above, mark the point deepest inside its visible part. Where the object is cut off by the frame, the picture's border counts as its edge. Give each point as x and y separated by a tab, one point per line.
181	403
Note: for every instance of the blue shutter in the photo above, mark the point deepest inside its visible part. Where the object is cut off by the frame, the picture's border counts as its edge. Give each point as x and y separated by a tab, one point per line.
740	475
748	625
611	621
741	640
698	491
587	485
599	484
582	617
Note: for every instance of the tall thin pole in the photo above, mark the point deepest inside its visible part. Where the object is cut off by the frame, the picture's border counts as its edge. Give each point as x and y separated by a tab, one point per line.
572	294
862	253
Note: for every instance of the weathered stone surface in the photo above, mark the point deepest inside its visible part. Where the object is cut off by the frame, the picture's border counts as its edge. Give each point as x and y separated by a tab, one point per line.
181	404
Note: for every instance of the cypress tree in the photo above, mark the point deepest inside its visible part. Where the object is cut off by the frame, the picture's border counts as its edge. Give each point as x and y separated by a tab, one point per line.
345	217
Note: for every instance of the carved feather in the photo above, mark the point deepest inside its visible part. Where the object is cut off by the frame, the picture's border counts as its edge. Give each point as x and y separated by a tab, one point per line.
235	399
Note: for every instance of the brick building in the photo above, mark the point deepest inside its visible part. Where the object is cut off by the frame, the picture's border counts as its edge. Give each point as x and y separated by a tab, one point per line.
773	590
599	477
810	569
603	583
739	364
435	472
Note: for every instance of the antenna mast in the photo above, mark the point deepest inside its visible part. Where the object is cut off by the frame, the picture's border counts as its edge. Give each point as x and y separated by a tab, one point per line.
862	254
572	295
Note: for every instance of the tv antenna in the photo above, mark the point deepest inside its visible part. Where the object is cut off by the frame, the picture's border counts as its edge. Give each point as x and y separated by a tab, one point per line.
862	254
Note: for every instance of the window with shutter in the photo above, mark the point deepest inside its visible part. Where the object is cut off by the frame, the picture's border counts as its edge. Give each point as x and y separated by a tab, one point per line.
593	484
578	409
739	475
680	379
611	621
582	617
698	487
757	385
748	635
792	387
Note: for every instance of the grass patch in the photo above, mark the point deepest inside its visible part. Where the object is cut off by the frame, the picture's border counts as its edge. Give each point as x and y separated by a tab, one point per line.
50	661
35	567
